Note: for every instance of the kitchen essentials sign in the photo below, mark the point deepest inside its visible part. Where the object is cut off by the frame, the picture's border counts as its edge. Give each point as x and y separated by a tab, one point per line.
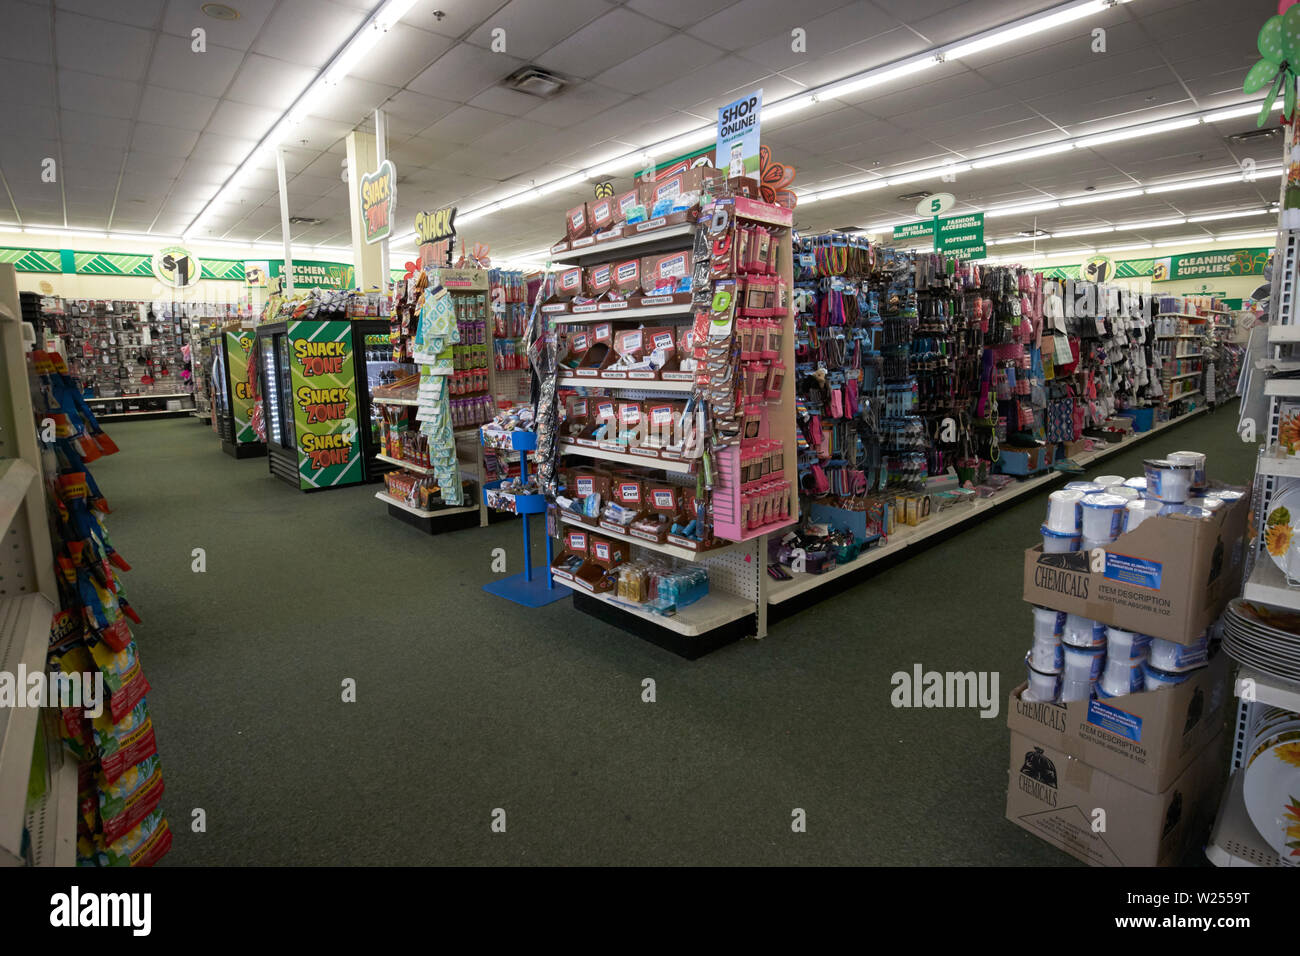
736	149
316	275
378	196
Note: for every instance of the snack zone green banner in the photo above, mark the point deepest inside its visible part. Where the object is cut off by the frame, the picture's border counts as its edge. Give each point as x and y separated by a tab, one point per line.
239	345
324	403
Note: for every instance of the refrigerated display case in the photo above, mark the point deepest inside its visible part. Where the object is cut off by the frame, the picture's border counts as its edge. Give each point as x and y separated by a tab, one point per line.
235	384
315	384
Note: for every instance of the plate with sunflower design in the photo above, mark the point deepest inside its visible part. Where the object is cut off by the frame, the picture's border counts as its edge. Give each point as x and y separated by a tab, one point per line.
1272	792
1281	524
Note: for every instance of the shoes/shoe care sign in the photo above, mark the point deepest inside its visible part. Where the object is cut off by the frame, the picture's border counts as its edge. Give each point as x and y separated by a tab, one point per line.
379	202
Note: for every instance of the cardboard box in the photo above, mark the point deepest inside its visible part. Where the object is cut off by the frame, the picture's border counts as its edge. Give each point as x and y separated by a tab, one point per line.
1170	577
1145	740
1061	799
649	191
1025	461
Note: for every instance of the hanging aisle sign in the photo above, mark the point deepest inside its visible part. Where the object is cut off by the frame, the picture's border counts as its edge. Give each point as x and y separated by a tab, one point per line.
956	233
436	229
736	149
378	197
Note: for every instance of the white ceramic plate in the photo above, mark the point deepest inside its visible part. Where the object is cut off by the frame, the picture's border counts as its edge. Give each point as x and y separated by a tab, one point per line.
1272	792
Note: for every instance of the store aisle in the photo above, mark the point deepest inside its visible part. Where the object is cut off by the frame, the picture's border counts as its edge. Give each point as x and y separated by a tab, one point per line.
466	703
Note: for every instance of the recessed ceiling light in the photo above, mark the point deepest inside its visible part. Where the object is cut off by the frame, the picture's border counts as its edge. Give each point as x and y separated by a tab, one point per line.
219	11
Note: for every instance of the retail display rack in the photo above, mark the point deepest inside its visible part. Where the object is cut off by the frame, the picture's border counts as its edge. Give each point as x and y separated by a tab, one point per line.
28	600
129	354
227	352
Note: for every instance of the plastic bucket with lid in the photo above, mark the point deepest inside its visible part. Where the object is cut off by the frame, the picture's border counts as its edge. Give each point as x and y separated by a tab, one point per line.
1103	516
1056	542
1168	481
1082	631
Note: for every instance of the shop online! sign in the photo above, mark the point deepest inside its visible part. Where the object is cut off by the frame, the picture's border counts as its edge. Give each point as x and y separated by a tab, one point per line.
736	149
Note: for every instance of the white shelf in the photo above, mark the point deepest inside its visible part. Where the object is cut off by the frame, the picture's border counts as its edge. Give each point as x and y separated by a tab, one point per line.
1269	690
624	315
646	461
714	610
1179	315
1287	466
154	411
1235	841
686	554
24	637
16	476
374	400
1284	333
907	536
139	395
651	385
1174	378
597	250
460	509
1181	395
407	465
1267	584
52	822
1282	387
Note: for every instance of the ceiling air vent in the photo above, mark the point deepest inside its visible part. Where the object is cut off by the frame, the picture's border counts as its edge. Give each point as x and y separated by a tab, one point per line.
916	196
303	221
535	82
1255	135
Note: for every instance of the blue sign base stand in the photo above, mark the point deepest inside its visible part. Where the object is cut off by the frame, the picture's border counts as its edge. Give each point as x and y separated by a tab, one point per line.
526	588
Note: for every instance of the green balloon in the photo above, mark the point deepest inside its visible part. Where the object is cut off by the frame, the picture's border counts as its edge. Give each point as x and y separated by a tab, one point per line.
1288	99
1291	34
1270	40
1270	99
1260	76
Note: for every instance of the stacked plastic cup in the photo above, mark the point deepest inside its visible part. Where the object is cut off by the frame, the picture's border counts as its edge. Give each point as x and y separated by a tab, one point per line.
1126	652
1102	519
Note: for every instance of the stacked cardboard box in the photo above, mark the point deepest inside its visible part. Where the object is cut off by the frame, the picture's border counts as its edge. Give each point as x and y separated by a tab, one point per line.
1132	780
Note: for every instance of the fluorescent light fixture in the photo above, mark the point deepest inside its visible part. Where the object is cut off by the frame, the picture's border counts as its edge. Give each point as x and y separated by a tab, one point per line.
1233	112
1089	198
791	104
1016	210
142	237
1151	223
855	84
64	231
1012	240
1090	231
1069	252
1240	177
1185	241
1131	245
1132	132
1232	215
1023	155
1024	28
931	173
851	190
1240	236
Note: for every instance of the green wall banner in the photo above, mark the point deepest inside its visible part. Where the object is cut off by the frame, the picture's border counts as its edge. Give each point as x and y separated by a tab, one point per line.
309	275
325	403
1194	265
33	260
238	347
327	275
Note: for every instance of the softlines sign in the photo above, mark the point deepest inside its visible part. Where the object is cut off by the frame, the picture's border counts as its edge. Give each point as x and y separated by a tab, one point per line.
325	404
378	197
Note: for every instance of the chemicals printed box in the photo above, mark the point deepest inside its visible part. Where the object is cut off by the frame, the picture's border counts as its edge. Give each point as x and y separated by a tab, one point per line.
1145	739
1103	820
1170	577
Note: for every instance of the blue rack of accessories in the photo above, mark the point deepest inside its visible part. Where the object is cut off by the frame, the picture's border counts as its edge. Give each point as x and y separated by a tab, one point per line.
525	588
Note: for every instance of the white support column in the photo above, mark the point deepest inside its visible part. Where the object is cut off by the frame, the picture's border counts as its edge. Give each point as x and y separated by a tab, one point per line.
287	272
381	153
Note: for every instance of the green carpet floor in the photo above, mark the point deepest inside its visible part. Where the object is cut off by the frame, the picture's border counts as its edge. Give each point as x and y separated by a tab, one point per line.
467	703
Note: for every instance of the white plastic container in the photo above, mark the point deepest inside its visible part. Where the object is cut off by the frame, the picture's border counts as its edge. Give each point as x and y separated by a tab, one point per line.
1167	481
1055	542
1048	624
1103	516
1208	504
1063	511
1187	511
1138	511
1137	484
1179	658
1076	690
1044	686
1083	663
1155	679
1108	481
1120	677
1083	632
1087	487
1225	494
1125	492
1088	544
1126	645
1046	655
1197	460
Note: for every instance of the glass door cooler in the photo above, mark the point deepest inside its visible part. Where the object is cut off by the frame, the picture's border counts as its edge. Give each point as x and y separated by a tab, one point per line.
316	396
235	386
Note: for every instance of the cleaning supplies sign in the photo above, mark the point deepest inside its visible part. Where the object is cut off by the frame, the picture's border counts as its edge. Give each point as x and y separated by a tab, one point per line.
378	196
1210	265
243	396
325	404
736	149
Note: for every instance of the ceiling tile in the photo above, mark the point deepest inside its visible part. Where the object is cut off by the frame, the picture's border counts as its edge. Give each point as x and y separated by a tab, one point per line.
30	83
242	120
164	168
863	55
576	103
97	94
26	33
598	46
174	108
464	125
176	67
351	101
463	72
101	47
270	83
407	52
163	140
139	13
498	99
307	31
534	26
214	148
93	129
678	13
676	56
182	16
752	21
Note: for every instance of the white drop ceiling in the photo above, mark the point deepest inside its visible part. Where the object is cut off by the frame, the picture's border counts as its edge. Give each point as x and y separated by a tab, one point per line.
145	131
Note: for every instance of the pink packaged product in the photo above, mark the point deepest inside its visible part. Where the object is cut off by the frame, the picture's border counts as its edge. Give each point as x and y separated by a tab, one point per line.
766	503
